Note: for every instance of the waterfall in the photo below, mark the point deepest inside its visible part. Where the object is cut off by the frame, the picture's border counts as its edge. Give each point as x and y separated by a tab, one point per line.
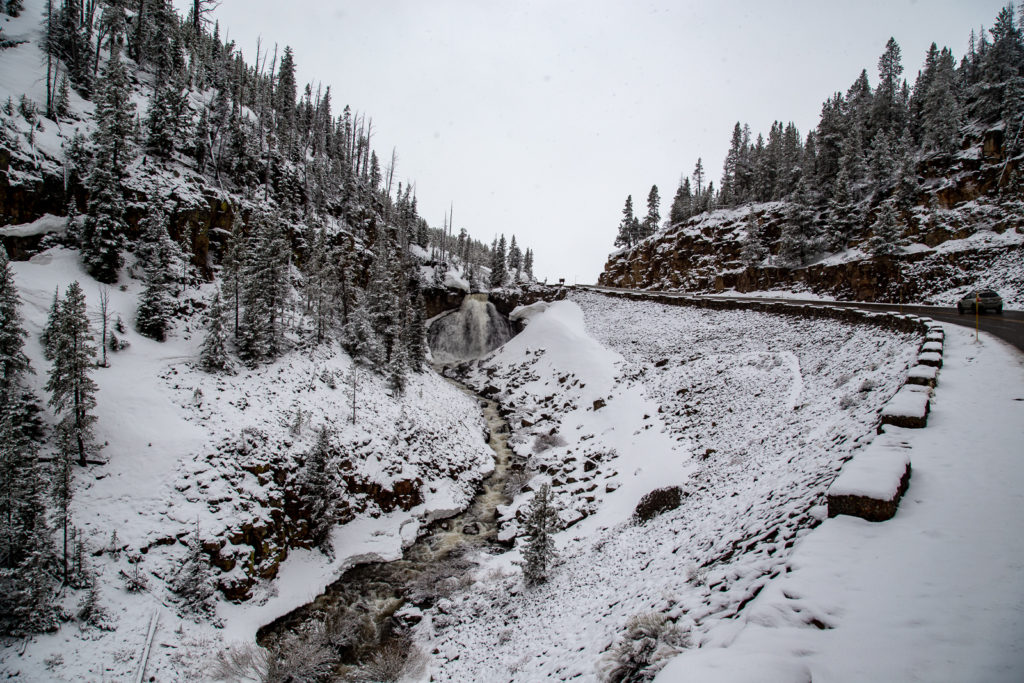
471	332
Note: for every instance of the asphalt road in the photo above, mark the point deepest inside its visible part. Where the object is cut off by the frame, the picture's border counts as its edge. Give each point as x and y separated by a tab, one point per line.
1008	326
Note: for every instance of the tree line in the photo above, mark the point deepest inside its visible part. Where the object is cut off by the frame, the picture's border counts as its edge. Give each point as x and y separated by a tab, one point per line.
858	169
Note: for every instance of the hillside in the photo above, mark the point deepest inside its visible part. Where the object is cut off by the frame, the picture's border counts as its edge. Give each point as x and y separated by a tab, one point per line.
902	192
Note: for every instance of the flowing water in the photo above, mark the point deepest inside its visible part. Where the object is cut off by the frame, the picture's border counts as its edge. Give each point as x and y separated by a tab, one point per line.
473	331
358	611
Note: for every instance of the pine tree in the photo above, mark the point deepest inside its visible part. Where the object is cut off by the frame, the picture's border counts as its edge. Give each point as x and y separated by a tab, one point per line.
214	355
25	588
627	226
752	247
72	391
194	581
889	114
886	231
515	261
104	227
415	332
681	203
499	273
62	490
528	265
264	292
653	217
156	255
539	550
318	491
48	335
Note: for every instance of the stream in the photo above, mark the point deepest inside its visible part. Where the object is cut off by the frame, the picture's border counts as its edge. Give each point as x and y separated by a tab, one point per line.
372	604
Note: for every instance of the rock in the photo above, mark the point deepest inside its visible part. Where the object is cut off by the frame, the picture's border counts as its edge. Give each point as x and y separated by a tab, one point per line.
471	529
599	403
658	502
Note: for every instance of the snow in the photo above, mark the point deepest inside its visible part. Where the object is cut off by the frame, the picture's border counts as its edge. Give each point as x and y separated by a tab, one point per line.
171	436
910	401
922	374
48	223
935	593
876	471
750	414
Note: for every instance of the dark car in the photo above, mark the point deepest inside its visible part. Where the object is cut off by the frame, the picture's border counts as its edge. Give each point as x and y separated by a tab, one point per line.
985	300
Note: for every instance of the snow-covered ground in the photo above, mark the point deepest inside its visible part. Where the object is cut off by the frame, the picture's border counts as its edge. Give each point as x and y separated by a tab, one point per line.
172	436
934	594
751	415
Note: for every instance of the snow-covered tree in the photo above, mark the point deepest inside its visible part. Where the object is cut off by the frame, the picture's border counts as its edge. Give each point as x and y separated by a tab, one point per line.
541	523
214	355
752	247
317	491
265	289
193	583
528	265
515	261
157	254
499	271
628	226
653	217
887	234
72	390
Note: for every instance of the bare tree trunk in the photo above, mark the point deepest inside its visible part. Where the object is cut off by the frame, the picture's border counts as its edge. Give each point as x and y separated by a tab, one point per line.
104	320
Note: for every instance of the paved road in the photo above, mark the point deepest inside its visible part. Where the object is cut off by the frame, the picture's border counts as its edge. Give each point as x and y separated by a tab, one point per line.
1008	326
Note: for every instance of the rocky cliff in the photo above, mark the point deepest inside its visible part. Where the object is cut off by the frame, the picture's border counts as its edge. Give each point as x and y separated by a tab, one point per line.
965	229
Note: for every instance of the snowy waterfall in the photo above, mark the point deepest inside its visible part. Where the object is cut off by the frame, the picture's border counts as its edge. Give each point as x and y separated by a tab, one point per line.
473	331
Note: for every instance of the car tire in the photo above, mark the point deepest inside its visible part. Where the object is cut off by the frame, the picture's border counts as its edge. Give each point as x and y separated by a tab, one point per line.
999	311
959	309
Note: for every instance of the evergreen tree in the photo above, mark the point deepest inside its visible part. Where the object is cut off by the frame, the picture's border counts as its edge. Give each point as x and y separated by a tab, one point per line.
528	265
653	217
627	226
940	107
889	113
194	581
13	361
515	261
886	232
499	273
156	253
681	203
104	227
752	247
72	391
415	332
318	491
265	288
539	550
214	355
800	240
382	301
48	335
358	338
62	490
25	588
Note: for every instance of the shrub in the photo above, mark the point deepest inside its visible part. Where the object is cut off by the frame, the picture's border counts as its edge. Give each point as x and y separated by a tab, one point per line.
649	641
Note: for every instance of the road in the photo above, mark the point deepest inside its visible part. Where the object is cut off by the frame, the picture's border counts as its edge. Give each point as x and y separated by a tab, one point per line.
1008	326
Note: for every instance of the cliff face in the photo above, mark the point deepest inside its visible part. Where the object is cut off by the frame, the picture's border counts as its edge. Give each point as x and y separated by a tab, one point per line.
965	229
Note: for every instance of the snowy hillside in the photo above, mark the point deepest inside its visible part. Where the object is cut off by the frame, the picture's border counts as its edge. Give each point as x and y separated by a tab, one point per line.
183	447
750	415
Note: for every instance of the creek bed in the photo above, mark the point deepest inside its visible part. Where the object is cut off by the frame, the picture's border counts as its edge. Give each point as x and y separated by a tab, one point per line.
358	610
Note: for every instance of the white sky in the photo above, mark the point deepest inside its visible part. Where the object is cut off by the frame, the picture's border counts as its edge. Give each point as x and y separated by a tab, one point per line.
537	118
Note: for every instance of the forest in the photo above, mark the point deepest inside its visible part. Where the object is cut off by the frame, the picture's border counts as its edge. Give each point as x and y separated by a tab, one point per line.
853	177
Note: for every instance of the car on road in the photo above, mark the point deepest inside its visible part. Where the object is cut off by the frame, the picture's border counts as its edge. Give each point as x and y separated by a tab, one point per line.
984	300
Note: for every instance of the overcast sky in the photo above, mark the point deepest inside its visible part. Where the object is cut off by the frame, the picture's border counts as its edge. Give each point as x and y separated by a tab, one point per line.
537	117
